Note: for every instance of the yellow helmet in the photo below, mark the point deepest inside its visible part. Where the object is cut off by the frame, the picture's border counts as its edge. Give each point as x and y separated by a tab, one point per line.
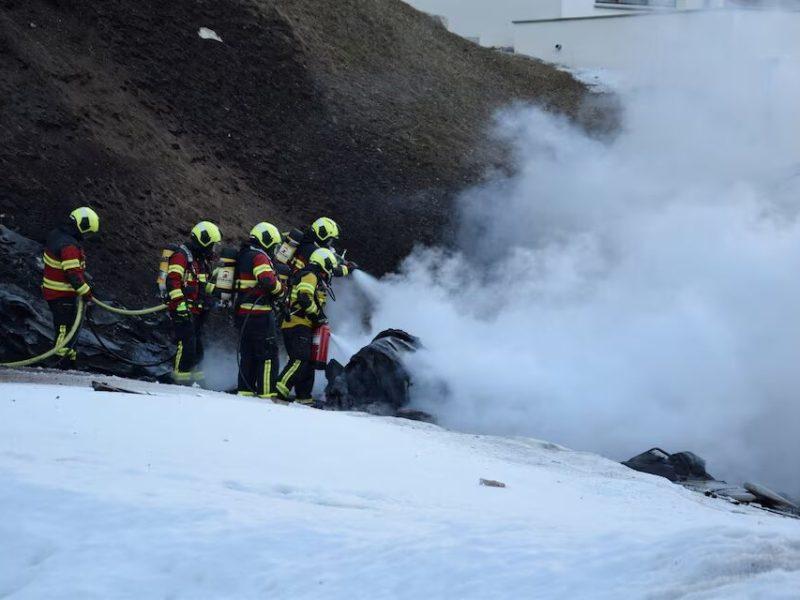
325	259
325	230
206	234
85	219
266	234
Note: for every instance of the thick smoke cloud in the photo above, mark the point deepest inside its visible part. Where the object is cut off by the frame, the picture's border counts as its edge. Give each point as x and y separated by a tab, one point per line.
617	295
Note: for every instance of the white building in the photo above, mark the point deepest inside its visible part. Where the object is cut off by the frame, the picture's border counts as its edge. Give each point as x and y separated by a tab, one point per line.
491	20
488	21
616	34
575	33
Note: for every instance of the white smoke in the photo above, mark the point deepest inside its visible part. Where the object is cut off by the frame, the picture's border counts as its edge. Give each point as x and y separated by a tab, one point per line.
645	291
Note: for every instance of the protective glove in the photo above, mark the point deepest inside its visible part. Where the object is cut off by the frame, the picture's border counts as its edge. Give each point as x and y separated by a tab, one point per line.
352	265
182	312
304	301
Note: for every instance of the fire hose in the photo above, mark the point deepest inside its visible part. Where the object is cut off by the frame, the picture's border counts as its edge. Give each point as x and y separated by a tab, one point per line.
80	309
54	350
130	312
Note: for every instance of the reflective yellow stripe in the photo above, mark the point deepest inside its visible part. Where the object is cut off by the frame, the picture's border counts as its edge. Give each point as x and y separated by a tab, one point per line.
305	401
255	307
246	284
259	269
295	321
267	384
202	278
72	263
51	262
305	287
84	289
179	269
246	394
175	294
62	333
178	356
284	382
57	285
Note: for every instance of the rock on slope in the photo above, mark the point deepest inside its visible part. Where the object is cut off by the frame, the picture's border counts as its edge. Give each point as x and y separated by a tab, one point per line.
362	109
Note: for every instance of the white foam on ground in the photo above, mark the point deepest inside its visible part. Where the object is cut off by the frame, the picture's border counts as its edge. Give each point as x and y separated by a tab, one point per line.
184	494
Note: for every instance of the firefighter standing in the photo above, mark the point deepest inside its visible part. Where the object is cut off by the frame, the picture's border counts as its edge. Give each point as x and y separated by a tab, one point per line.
257	288
188	286
323	233
65	277
306	307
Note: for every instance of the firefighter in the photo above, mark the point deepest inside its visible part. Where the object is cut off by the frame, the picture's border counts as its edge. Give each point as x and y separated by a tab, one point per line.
258	288
323	233
306	312
65	277
189	288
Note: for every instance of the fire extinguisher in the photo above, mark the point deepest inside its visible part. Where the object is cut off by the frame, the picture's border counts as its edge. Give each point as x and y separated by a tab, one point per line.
319	346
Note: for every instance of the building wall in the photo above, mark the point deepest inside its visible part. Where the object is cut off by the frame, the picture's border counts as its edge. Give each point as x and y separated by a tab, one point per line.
623	42
583	8
490	20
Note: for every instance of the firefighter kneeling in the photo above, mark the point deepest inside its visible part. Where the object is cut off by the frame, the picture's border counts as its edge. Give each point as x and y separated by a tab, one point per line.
309	293
257	288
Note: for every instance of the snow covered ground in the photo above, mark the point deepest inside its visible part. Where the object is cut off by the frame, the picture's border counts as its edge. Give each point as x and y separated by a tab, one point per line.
192	494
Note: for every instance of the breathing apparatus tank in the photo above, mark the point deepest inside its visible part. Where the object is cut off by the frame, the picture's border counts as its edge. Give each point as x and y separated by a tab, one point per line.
163	267
287	249
225	275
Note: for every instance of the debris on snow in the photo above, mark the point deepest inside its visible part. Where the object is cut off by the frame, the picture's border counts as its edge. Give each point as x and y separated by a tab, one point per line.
492	483
101	386
375	379
689	470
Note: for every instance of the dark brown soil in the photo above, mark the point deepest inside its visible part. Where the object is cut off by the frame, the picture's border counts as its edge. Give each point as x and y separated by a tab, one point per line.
363	110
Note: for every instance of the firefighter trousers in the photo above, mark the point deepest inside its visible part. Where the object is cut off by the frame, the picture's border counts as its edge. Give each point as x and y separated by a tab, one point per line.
258	355
189	337
299	370
64	311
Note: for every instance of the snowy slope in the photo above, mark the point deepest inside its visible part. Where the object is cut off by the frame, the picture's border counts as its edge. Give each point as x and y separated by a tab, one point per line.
191	494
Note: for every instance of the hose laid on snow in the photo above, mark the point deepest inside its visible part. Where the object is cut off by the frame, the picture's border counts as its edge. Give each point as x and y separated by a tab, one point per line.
130	312
70	334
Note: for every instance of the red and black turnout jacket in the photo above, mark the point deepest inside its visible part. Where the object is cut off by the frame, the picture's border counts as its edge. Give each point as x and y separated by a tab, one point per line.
188	280
64	266
256	282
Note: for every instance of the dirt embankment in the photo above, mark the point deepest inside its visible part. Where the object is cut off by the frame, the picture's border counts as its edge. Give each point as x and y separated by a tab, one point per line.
364	110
